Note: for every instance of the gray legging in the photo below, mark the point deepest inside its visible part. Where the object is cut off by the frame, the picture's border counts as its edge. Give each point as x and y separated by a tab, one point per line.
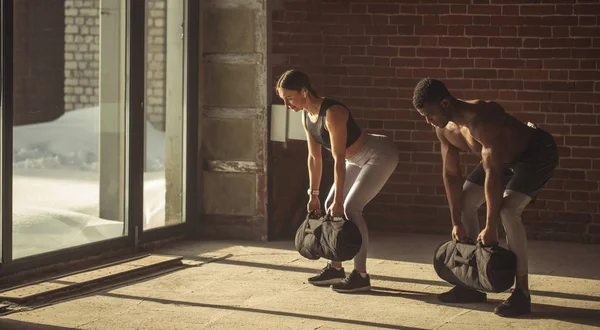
513	204
366	173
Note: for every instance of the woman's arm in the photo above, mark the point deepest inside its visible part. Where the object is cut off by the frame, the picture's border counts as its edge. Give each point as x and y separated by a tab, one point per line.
336	120
315	160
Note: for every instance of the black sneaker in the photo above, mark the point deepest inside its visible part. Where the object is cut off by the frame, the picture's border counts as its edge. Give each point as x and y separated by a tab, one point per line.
517	304
459	294
328	275
353	283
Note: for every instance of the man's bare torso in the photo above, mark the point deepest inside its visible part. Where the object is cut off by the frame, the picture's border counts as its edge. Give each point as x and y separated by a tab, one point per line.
513	134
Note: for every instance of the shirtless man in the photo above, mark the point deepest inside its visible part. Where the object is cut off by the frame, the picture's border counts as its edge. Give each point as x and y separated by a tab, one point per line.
506	146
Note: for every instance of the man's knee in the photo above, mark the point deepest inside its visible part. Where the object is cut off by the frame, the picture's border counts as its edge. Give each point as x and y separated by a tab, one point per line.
513	205
473	195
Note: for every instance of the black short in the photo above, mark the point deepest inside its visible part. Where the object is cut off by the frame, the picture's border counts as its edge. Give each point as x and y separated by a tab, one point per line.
530	171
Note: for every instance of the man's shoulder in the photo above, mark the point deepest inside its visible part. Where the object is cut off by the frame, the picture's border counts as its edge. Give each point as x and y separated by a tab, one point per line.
489	113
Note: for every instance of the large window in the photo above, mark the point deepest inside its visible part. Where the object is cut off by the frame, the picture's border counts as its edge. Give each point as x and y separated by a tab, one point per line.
96	124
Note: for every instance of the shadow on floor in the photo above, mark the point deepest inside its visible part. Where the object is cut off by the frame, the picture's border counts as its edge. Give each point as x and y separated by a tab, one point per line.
262	311
575	315
226	260
6	324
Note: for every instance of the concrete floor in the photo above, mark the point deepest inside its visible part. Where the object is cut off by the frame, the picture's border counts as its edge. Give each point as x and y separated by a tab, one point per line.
234	285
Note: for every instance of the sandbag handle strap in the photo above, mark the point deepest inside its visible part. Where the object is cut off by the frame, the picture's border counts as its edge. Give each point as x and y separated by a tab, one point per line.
329	217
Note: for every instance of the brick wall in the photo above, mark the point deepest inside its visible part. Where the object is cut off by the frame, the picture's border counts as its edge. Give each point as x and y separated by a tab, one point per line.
38	64
540	60
82	51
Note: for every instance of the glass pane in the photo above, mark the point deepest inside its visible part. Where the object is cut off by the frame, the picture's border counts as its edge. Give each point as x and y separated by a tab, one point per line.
69	120
164	106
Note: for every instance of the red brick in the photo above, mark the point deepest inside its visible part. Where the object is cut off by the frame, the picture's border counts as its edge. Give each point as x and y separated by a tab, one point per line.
507	20
551	194
455	30
404	41
584	97
432	62
481	84
431	20
507	84
356	81
587	9
379	41
510	53
577	141
458	52
485	53
505	42
455	41
431	30
508	10
534	31
540	10
381	92
560	64
383	9
381	30
433	9
479	42
433	52
531	43
454	73
545	53
363	60
482	20
407	62
580	185
358	9
382	51
585	53
484	9
559	20
584	108
334	8
586	152
581	31
482	30
401	188
575	163
426	72
458	9
508	63
509	31
356	30
564	9
456	19
457	63
587	20
406	20
592	175
458	84
407	52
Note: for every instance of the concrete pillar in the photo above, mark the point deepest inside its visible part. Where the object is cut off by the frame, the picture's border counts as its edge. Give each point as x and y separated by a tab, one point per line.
174	110
112	109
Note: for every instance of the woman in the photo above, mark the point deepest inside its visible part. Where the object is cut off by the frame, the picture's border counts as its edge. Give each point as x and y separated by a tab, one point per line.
363	164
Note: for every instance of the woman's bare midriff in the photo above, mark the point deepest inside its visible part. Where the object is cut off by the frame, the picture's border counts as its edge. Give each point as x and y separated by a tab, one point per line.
355	147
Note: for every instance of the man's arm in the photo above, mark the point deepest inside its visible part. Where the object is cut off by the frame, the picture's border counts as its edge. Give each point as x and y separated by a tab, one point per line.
453	179
315	160
488	132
